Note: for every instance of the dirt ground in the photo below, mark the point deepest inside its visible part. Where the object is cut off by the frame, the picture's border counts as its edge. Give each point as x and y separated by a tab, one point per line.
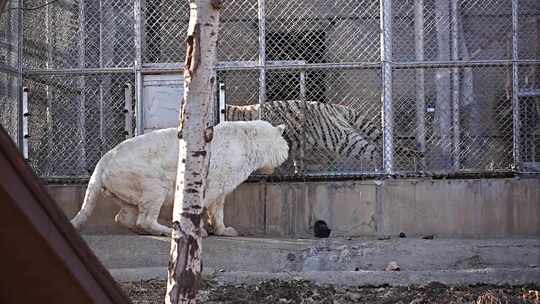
273	291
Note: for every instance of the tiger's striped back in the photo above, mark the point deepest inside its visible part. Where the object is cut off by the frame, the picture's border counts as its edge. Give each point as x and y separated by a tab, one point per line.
366	123
338	130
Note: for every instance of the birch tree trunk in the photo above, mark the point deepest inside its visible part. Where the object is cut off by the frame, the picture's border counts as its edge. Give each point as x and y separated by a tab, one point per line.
3	6
197	131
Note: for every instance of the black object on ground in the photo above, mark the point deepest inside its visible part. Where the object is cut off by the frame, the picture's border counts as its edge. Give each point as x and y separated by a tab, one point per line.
321	230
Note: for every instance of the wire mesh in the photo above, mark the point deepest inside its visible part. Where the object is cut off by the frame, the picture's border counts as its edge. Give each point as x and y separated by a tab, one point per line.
239	31
9	105
79	34
425	30
529	110
164	31
74	120
432	92
242	86
323	31
9	78
529	29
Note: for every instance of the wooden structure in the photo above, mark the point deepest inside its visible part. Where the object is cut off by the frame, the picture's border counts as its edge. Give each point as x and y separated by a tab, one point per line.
43	259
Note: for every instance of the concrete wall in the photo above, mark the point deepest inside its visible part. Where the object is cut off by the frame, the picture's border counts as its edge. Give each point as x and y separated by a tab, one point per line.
452	208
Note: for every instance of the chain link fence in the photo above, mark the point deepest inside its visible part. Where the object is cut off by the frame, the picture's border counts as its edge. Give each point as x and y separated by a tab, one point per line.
9	73
81	118
366	87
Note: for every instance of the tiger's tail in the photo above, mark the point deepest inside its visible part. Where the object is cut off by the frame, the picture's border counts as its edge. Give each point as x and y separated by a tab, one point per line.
90	198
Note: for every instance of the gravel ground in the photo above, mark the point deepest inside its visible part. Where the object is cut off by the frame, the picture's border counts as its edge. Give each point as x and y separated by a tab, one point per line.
152	291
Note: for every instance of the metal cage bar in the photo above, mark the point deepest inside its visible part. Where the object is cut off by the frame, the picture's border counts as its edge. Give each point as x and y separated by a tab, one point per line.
261	18
138	37
387	104
515	88
455	85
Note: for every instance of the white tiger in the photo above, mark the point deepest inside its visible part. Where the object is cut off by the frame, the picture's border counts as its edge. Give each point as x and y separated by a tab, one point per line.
141	172
340	134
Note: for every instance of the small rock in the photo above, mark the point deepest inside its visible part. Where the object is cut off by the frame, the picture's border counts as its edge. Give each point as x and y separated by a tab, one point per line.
383	237
341	248
387	294
354	296
392	266
402	235
291	257
428	237
417	301
356	269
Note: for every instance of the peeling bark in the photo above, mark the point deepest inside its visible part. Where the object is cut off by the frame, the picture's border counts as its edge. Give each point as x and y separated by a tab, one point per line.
195	133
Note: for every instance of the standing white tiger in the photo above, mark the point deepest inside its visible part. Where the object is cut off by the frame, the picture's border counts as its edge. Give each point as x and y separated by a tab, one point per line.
140	172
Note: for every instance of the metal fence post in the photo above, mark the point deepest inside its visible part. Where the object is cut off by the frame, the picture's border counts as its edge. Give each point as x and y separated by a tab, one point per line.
128	111
515	89
19	80
303	85
138	66
420	80
262	51
386	96
25	114
50	93
455	84
82	82
101	113
222	105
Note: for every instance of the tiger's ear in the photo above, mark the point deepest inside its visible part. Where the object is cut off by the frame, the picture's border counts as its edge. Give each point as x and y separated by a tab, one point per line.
281	128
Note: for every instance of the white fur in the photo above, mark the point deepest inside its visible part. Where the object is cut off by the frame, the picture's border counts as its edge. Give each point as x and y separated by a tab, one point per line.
141	172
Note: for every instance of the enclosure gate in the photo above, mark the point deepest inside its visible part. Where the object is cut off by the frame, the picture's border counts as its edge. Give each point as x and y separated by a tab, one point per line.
449	87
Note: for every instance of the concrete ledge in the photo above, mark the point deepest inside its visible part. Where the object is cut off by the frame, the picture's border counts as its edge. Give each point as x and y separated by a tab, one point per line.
479	208
333	261
515	276
300	255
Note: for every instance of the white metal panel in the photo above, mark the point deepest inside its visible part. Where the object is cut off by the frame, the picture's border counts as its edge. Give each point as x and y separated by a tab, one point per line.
162	95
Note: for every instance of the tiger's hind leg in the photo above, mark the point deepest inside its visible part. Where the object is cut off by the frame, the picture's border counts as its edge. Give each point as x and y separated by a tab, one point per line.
147	220
127	216
155	192
216	211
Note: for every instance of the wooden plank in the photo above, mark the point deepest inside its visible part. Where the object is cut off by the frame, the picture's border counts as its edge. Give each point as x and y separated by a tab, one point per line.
44	260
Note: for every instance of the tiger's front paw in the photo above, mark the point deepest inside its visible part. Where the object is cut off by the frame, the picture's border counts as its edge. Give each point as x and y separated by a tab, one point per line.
229	231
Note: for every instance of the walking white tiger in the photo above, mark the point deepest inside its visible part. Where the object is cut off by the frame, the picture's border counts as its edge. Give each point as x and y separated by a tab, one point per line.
329	135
